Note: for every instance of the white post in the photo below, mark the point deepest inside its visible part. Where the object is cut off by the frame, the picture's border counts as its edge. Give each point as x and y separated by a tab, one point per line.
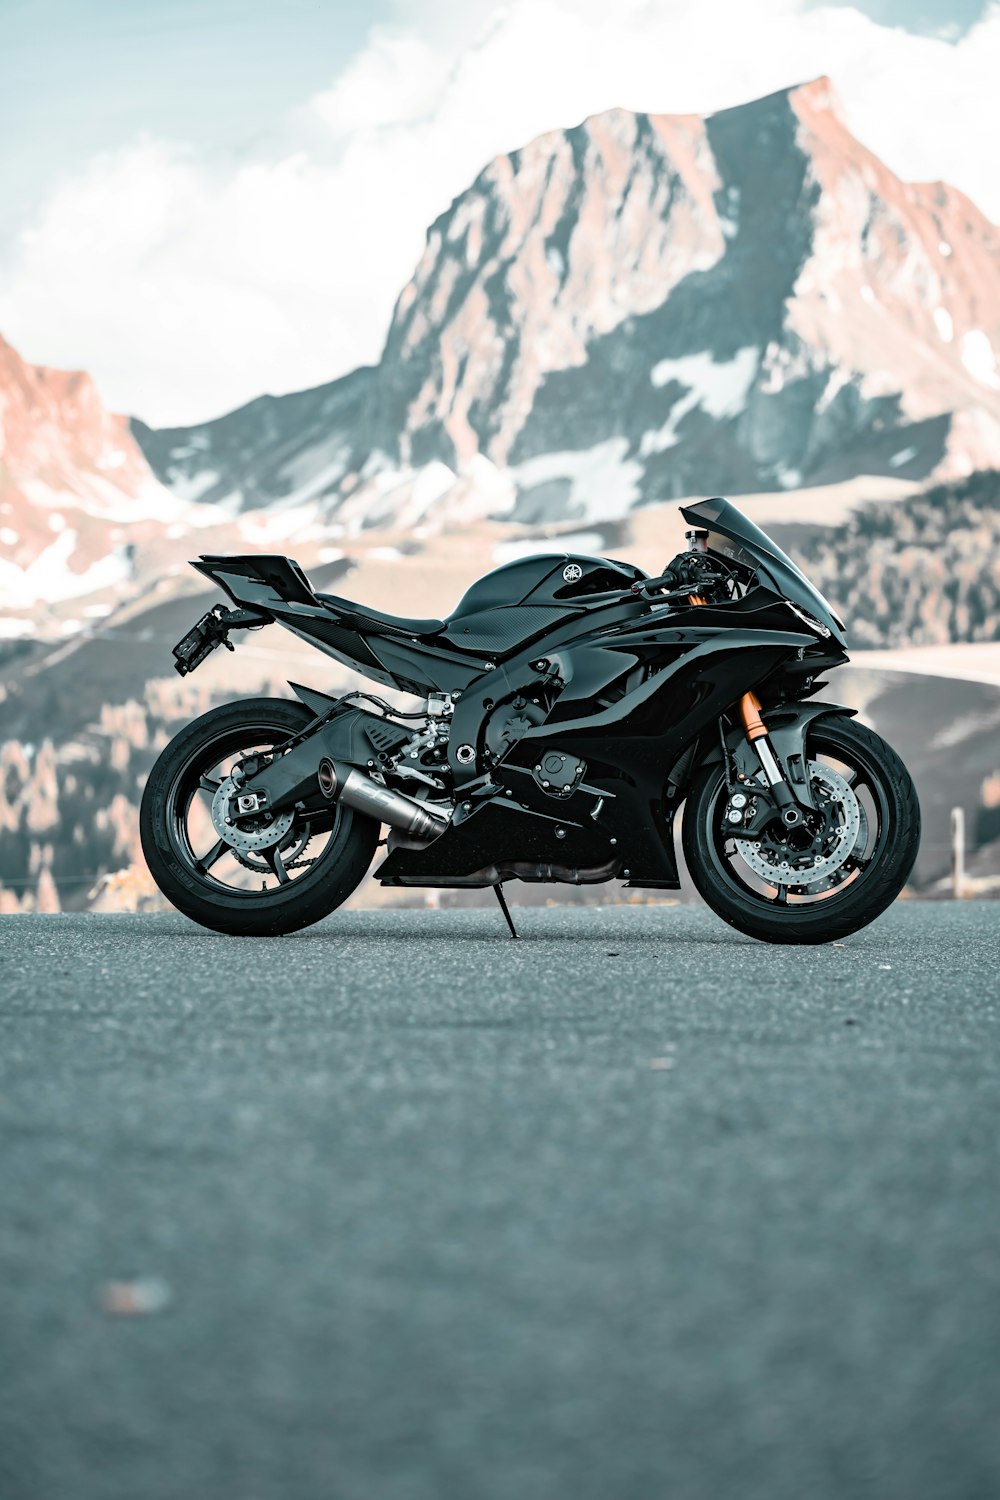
957	853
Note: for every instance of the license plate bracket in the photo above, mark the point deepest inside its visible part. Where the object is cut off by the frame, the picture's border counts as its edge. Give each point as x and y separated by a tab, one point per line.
199	642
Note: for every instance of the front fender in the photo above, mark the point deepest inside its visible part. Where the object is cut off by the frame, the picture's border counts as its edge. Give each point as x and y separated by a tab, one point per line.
786	728
787	725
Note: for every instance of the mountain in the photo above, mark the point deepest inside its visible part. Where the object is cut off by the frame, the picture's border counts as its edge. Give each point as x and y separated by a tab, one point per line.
290	448
641	308
637	309
70	474
87	528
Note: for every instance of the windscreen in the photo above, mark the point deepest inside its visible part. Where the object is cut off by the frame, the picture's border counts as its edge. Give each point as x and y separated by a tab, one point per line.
735	535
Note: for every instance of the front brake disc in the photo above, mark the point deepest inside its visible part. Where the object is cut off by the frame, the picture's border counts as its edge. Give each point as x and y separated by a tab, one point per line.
794	870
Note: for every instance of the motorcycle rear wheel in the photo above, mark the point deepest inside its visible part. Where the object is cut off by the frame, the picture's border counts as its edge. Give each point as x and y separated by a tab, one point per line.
864	885
273	888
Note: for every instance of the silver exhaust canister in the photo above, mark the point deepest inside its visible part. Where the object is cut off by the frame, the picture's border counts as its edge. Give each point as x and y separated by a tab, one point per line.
352	787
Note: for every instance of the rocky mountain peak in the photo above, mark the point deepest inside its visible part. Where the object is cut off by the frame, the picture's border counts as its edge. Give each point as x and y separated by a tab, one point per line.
642	307
58	414
747	300
73	479
552	246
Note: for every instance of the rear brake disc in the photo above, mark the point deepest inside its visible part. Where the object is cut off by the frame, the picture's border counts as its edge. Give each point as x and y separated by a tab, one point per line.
244	839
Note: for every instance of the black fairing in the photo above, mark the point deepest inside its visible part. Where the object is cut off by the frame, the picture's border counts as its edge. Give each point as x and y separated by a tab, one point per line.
730	531
541	580
501	614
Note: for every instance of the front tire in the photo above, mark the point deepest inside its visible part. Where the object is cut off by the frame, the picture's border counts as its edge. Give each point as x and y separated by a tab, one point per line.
867	882
297	879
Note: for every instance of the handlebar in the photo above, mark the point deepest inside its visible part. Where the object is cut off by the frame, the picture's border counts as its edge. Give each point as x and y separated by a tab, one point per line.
689	572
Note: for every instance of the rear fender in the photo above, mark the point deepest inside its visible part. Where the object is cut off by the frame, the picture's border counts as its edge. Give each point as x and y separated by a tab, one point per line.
263	581
316	702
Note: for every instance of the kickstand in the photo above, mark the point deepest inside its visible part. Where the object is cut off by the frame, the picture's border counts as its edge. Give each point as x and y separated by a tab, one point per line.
498	892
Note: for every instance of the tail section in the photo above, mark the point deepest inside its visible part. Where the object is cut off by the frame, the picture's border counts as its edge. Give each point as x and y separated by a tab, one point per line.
264	581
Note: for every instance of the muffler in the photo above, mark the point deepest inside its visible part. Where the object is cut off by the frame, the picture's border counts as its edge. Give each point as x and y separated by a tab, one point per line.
349	785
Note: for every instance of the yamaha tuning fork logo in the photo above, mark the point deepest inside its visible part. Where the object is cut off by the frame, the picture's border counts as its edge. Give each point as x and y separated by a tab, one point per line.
572	572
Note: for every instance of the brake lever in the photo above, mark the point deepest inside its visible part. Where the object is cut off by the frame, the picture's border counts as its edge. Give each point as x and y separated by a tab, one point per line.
673	596
691	577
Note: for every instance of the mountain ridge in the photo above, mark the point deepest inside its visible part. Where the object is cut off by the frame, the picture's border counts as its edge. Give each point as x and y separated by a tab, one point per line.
637	309
554	291
73	479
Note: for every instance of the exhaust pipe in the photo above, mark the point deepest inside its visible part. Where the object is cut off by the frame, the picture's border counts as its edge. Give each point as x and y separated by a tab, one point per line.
349	785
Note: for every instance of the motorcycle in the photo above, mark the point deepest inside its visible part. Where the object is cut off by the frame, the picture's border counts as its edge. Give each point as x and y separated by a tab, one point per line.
569	706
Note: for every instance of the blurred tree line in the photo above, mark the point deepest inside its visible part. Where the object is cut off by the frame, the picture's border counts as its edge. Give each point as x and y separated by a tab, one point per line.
917	572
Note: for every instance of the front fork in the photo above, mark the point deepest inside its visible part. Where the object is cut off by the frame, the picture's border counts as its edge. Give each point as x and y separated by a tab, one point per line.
784	798
756	732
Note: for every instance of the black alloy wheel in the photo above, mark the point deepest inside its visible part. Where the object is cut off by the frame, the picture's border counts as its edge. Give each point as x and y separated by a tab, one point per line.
258	875
819	883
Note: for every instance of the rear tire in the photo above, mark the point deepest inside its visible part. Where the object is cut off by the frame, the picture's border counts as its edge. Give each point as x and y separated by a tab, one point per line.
306	899
845	910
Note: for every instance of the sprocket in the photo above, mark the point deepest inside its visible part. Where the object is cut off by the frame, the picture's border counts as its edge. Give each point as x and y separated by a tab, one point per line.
305	837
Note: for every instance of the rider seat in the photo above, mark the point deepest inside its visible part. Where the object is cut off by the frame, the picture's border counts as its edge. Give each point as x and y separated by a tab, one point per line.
380	622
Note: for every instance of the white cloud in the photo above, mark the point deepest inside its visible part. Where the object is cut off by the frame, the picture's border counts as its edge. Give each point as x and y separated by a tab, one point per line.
186	287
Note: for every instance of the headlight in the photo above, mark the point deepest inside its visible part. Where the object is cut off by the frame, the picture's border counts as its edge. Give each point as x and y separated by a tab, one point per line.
816	625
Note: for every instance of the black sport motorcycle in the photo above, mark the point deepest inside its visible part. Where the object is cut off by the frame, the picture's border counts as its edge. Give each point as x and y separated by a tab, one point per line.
569	707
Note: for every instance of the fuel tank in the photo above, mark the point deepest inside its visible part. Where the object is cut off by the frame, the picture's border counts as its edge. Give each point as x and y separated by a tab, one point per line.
523	598
550	578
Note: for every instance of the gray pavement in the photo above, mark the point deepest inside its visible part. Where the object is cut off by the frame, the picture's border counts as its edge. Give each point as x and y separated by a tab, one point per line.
632	1208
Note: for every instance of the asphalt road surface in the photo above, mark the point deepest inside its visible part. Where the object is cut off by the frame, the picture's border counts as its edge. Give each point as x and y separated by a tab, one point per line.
397	1209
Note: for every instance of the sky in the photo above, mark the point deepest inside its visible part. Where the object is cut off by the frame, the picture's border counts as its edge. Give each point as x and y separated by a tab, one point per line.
204	199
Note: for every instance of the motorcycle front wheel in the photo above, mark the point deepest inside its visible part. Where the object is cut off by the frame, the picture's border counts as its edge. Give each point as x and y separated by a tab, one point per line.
257	876
865	840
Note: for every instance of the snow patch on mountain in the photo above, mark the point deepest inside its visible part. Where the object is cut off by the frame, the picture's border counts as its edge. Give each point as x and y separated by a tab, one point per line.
944	323
979	359
49	577
719	388
194	487
601	482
